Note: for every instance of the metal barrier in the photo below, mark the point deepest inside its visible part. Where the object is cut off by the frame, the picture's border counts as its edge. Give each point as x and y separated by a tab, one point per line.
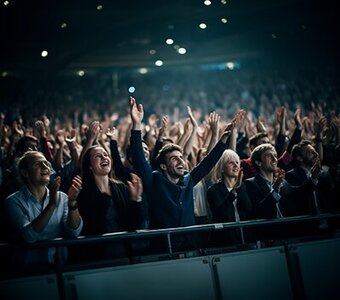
283	267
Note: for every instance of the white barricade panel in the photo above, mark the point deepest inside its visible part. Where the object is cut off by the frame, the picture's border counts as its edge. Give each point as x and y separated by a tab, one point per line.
37	288
320	268
256	274
183	279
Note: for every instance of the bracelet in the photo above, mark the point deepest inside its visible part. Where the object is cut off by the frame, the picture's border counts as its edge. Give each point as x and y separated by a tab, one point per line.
73	207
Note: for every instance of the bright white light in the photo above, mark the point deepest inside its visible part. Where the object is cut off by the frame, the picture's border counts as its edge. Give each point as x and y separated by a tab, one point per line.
203	26
230	65
63	25
182	50
143	70
81	73
99	7
159	63
131	89
169	41
4	74
6	3
44	53
224	20
152	51
224	1
207	2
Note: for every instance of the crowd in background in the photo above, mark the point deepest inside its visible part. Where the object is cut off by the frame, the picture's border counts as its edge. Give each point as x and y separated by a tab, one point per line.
83	126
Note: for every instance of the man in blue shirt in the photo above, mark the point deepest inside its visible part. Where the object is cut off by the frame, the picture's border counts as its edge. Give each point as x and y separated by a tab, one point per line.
169	189
37	213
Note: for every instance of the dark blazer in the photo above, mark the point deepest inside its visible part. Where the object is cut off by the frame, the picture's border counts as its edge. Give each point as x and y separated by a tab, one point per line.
221	203
298	192
263	201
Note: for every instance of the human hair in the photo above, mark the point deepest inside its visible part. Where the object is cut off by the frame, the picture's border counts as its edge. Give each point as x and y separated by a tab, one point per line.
86	172
297	151
217	172
21	146
165	150
254	140
24	163
256	154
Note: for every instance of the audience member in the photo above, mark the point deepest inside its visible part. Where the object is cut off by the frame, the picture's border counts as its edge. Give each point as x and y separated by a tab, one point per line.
37	213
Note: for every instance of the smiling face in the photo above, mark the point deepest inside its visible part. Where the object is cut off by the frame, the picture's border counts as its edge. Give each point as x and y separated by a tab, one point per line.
174	166
100	161
268	161
35	170
231	167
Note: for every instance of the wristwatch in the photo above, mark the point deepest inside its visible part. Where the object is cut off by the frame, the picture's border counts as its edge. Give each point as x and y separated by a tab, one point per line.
73	207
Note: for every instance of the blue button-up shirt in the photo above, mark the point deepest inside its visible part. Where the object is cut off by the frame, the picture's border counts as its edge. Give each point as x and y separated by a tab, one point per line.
22	208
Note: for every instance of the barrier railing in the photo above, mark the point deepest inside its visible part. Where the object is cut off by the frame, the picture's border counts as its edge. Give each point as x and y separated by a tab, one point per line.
167	232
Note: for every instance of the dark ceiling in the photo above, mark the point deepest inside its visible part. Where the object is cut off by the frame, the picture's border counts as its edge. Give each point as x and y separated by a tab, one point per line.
117	33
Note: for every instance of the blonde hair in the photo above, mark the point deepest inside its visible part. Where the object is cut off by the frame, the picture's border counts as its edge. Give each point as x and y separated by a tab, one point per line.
217	172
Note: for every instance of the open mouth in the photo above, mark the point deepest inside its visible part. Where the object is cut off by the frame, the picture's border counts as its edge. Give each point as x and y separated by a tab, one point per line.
104	164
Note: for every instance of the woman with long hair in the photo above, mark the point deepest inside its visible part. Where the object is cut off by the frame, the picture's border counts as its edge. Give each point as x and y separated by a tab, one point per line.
106	204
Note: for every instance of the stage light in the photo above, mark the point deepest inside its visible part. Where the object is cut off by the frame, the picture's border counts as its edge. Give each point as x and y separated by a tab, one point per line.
99	7
230	65
131	89
224	2
6	3
63	25
152	51
169	41
81	73
143	71
224	20
182	50
4	74
207	2
44	53
159	63
203	26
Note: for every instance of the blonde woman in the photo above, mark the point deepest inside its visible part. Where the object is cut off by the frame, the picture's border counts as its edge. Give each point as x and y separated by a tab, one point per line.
227	197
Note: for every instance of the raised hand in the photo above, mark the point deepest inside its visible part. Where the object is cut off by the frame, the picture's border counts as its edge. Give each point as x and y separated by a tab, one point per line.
135	187
74	190
213	121
278	179
316	169
192	118
163	127
112	133
136	113
239	179
93	131
40	128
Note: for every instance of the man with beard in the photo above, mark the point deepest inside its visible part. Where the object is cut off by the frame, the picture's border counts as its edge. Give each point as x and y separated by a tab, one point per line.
169	189
303	182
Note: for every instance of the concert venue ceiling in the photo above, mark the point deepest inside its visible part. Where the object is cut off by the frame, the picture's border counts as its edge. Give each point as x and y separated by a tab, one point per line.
58	35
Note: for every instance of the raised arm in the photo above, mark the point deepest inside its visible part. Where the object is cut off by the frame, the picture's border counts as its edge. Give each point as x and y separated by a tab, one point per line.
190	142
140	164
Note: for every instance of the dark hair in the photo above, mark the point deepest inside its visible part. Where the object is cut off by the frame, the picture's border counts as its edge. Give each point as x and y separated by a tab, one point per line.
297	151
20	147
253	140
165	150
256	154
86	173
